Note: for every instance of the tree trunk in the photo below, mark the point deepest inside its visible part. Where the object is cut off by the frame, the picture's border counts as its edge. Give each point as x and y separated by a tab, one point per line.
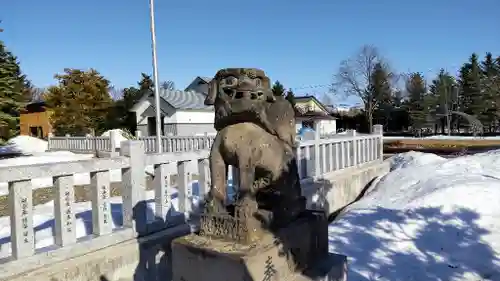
369	117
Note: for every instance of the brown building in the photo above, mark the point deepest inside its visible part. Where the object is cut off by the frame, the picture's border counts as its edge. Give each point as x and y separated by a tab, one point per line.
35	120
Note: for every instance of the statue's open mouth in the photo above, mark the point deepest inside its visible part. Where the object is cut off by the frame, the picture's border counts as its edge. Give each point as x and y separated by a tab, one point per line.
244	94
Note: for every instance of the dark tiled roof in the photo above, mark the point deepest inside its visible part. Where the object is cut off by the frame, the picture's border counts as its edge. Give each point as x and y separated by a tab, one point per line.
206	79
185	99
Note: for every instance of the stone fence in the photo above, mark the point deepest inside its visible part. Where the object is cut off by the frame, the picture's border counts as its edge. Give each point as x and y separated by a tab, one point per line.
92	144
109	145
333	154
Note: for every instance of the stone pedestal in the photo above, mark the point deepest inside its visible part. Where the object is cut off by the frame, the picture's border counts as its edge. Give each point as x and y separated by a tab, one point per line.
297	252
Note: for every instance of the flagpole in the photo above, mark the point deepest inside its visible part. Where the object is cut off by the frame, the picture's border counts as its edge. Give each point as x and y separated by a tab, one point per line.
155	77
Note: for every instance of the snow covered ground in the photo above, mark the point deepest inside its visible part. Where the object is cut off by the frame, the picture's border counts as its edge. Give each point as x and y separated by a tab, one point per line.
23	145
120	136
430	218
53	157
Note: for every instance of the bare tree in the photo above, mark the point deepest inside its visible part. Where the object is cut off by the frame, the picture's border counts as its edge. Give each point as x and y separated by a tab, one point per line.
115	93
354	76
326	99
37	94
168	85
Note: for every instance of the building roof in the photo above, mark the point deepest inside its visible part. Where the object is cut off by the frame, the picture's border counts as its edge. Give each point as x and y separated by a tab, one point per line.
319	115
184	99
206	79
299	99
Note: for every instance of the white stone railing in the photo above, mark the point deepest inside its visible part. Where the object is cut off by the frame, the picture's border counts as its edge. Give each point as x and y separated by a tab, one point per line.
109	144
334	154
132	163
338	152
178	143
80	144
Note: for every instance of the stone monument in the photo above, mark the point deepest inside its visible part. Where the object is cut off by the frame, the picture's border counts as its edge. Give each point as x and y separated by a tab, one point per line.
265	231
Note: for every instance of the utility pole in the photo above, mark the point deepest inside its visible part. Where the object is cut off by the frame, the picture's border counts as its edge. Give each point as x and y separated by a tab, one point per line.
155	77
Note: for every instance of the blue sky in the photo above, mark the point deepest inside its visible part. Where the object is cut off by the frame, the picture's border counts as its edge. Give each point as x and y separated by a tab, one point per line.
300	43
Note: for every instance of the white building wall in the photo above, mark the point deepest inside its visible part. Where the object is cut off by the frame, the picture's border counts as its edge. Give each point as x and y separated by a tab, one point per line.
327	127
193	117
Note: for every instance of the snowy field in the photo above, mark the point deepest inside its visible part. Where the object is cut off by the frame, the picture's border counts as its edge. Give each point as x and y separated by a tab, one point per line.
43	219
430	218
35	151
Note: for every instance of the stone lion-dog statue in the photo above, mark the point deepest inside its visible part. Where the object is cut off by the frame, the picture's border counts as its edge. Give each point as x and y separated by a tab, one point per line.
256	134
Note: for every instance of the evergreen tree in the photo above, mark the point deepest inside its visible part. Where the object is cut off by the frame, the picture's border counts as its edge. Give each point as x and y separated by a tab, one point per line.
278	89
121	116
418	103
81	102
380	93
490	89
14	89
146	84
488	66
470	83
290	96
441	96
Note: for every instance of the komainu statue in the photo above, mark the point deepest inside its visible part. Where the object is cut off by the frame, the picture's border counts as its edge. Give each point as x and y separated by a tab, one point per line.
265	233
256	135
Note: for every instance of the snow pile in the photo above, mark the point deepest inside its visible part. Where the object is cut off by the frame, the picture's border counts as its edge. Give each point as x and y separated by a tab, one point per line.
51	157
120	136
24	145
428	219
412	159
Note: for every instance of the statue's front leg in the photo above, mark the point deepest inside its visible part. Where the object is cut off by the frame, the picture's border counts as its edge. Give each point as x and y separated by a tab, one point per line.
218	174
246	177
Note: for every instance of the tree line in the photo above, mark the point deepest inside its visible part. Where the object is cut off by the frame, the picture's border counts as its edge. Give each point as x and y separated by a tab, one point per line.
85	102
410	102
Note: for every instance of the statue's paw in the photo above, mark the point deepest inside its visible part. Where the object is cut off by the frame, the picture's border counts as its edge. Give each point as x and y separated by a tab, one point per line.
215	206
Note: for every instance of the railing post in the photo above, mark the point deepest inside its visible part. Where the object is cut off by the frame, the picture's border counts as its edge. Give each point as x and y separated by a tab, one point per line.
317	156
101	208
161	183
184	189
134	185
112	142
138	134
206	142
49	136
66	142
21	219
64	215
352	133
379	130
203	177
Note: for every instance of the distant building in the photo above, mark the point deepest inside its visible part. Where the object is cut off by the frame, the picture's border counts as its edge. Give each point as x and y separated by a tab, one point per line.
199	84
34	120
183	113
309	110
